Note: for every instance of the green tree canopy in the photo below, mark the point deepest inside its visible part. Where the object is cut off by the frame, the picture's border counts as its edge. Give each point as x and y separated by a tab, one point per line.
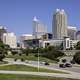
78	46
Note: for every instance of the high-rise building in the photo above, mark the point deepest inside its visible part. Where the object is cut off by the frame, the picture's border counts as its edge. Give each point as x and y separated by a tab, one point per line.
2	30
10	39
39	28
72	32
59	24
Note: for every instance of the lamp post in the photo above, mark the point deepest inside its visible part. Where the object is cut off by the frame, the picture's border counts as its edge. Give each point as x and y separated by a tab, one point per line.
38	58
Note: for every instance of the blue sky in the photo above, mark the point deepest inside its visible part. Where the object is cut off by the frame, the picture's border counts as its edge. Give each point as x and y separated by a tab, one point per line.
17	15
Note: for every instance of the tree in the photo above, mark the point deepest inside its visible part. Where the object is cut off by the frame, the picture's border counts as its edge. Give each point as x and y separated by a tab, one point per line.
78	46
52	53
76	57
2	55
3	50
64	60
14	52
26	51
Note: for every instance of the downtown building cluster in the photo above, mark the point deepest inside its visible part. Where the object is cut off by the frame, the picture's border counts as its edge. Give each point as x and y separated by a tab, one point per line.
61	33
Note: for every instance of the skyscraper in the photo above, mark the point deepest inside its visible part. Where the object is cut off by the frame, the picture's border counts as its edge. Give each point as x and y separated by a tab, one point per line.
59	24
39	28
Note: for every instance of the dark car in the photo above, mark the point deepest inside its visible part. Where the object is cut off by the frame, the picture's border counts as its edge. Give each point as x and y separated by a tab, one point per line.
68	65
72	62
46	63
62	66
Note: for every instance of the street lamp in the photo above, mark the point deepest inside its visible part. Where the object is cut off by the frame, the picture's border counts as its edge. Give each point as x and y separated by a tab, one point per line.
38	58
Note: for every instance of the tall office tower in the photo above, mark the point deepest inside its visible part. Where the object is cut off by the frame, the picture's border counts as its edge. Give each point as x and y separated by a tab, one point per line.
10	39
2	30
72	32
59	24
39	28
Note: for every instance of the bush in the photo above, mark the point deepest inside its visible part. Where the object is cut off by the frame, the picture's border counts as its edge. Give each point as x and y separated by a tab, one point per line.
36	55
15	59
72	62
76	57
14	52
57	60
22	59
78	46
64	60
53	54
20	54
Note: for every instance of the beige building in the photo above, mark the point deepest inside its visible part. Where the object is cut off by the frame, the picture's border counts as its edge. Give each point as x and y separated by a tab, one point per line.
59	24
24	38
78	35
10	39
72	32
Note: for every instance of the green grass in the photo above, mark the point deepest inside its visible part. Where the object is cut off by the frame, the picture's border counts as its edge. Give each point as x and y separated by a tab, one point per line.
27	77
17	67
30	57
3	62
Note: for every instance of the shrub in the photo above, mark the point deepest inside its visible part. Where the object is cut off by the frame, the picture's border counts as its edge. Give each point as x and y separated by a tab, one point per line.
15	59
76	57
22	59
64	60
72	62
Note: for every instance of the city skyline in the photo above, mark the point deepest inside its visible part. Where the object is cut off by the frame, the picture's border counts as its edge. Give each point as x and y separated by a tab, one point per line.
17	15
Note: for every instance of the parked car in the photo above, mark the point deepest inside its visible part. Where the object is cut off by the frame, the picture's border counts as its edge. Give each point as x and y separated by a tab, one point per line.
62	65
68	65
72	62
46	63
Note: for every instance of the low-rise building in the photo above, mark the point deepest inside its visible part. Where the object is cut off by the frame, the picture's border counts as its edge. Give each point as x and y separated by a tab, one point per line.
78	35
72	32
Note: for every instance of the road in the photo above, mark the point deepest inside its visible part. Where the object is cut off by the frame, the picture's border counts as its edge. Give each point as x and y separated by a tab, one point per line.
73	76
74	72
51	66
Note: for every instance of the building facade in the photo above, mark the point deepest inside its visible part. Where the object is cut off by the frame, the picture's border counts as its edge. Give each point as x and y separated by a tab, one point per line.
78	35
47	36
39	28
24	38
59	24
10	39
2	31
72	32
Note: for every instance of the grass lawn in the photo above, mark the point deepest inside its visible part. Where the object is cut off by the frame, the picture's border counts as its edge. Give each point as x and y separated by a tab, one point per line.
3	62
17	67
27	77
31	57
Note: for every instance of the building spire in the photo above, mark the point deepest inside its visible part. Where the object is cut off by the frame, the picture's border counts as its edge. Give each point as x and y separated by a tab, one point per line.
35	18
